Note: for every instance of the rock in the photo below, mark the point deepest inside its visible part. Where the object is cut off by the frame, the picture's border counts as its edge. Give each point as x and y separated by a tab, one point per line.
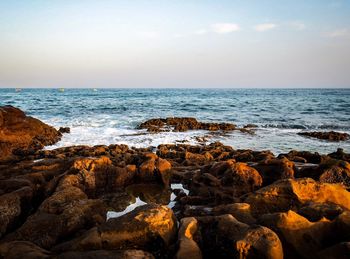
338	251
290	194
107	254
335	171
300	237
275	169
188	248
61	215
225	237
154	169
331	135
303	156
12	206
316	211
241	211
150	226
21	134
183	124
231	177
64	130
22	249
340	155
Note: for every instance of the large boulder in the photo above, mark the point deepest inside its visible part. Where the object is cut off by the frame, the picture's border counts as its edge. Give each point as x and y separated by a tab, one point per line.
290	194
21	134
275	169
150	226
225	237
226	180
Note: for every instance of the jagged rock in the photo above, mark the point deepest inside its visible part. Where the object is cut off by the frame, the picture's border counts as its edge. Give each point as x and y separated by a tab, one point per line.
335	171
272	170
231	178
22	135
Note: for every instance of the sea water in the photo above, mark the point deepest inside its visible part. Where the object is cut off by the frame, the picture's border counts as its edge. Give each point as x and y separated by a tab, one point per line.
110	116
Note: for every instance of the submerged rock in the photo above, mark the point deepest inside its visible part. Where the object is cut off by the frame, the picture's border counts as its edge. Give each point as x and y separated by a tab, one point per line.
331	135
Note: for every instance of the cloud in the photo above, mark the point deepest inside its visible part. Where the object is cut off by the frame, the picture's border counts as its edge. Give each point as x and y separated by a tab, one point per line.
299	26
200	31
223	28
264	27
338	33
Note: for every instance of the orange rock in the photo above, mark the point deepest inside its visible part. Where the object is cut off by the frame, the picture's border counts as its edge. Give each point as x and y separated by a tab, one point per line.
23	134
188	248
289	194
148	225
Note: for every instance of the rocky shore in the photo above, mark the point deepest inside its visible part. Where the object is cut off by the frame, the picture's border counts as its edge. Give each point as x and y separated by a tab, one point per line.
178	201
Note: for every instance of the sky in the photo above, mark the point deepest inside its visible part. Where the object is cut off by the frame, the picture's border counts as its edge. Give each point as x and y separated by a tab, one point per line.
175	43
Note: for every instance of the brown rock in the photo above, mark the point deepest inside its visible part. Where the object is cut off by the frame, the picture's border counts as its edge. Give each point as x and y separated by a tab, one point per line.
272	170
300	237
335	171
23	134
188	248
331	135
284	195
225	237
107	254
147	226
22	249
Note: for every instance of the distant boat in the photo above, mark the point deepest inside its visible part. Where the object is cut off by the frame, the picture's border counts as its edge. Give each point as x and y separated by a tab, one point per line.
18	89
95	90
61	90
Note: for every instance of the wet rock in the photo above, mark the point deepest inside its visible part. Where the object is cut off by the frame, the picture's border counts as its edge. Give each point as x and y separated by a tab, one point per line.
225	237
331	135
303	156
151	227
290	194
22	135
188	248
183	124
340	155
22	249
64	130
272	170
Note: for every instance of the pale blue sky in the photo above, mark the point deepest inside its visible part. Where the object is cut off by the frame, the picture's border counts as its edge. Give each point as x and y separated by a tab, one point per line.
185	43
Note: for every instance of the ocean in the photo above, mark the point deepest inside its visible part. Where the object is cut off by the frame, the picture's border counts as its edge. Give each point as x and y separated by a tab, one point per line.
109	116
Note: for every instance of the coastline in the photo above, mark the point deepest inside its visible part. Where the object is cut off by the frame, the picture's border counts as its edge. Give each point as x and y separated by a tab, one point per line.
176	200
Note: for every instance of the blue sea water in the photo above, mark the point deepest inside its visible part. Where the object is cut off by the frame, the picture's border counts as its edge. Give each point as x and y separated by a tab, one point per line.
109	116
